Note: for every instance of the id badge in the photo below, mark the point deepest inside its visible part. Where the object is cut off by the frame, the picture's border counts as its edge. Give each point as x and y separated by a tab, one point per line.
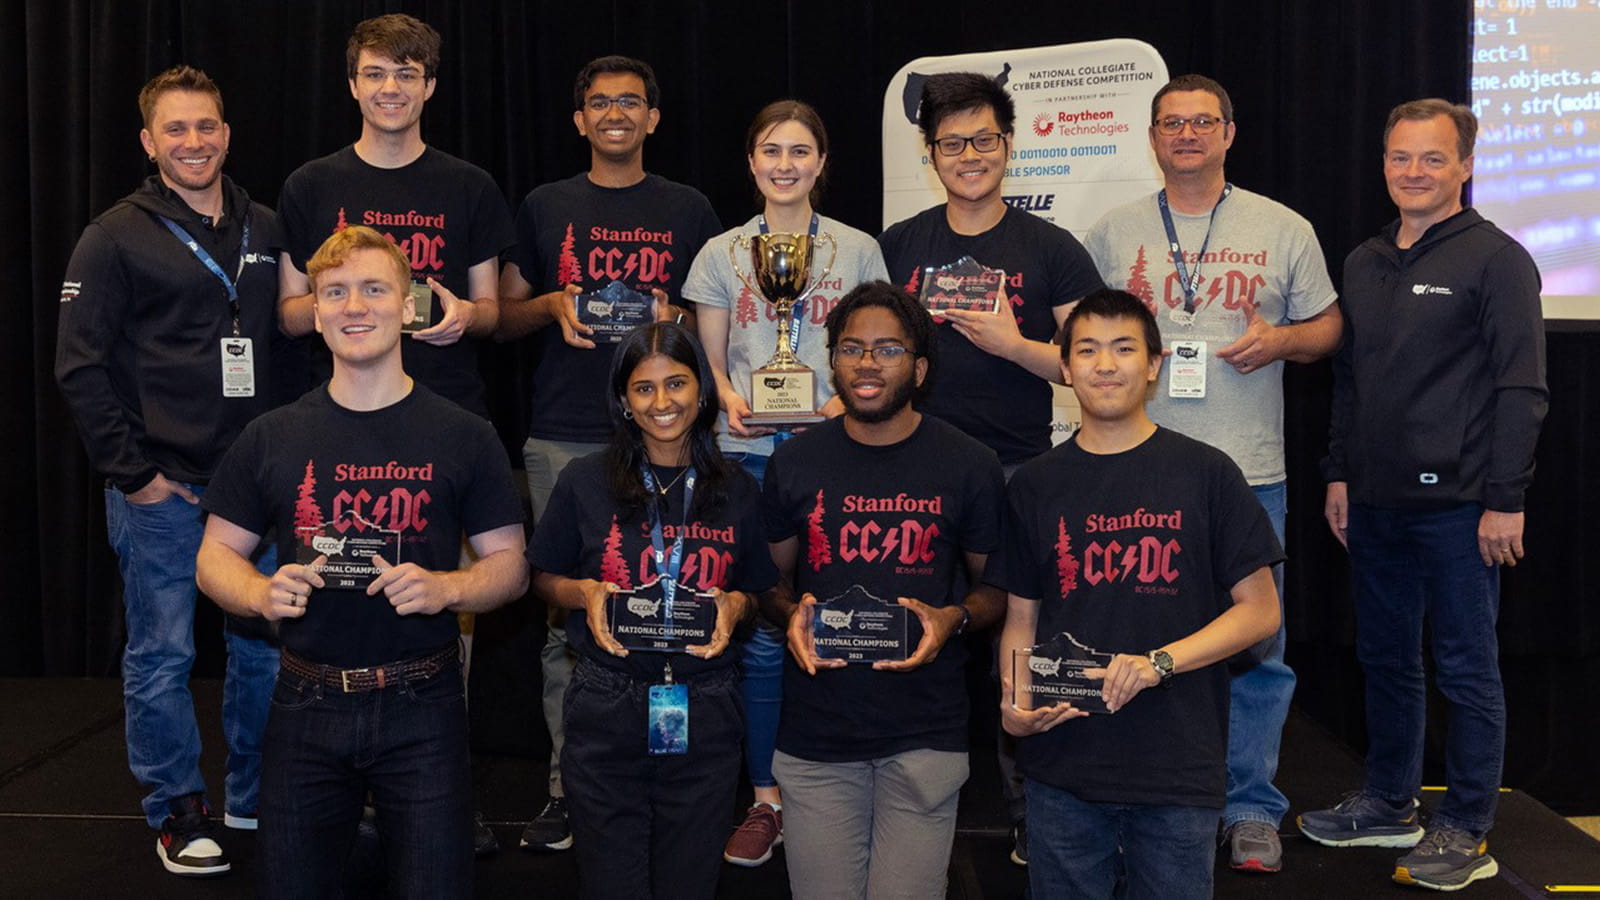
1188	370
669	719
238	367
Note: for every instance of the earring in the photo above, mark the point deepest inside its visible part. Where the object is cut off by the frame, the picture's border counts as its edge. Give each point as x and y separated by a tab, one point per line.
627	414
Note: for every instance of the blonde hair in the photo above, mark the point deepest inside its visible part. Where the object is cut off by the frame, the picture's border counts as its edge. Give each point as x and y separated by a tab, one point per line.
336	250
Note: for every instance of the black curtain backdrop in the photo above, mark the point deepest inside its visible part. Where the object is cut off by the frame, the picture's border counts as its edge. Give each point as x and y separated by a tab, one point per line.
1311	83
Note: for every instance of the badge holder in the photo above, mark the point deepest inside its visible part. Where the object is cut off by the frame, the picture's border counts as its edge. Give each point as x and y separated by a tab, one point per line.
669	716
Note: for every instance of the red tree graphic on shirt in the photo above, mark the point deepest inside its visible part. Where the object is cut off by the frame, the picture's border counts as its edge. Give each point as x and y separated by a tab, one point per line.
745	313
307	515
1066	563
567	269
818	552
1138	284
341	224
912	286
613	567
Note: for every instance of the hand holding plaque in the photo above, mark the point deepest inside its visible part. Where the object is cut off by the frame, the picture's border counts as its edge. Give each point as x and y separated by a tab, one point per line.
783	392
1053	672
347	557
613	311
963	284
857	627
643	619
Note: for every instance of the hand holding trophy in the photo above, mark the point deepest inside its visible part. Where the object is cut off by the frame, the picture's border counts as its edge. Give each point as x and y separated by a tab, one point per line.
782	392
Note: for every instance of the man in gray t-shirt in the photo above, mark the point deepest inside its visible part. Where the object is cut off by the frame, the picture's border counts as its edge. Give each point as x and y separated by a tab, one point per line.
1238	284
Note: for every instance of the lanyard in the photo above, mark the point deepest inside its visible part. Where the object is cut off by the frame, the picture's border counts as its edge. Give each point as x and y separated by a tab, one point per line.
1190	282
667	567
797	313
231	284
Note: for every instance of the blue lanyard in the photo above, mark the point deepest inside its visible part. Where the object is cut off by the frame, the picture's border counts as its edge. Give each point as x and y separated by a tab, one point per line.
205	258
798	312
1189	282
667	567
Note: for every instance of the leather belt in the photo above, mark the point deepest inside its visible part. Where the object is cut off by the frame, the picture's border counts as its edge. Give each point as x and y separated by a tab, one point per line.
371	678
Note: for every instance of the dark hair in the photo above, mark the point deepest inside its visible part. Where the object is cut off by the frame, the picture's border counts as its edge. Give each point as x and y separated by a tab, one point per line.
913	318
626	452
776	113
177	78
1110	303
957	92
616	65
1422	110
397	37
1192	82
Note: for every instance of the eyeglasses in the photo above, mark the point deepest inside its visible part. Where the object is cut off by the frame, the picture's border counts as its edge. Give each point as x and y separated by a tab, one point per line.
1202	124
987	142
888	356
599	103
376	77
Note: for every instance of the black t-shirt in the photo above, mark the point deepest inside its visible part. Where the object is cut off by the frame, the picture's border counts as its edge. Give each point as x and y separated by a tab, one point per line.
577	232
581	535
896	520
1128	552
998	402
423	467
445	214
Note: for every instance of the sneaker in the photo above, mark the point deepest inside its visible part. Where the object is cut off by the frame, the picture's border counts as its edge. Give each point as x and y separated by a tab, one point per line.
752	842
1019	842
484	843
186	845
1253	846
240	821
549	829
1361	820
1446	859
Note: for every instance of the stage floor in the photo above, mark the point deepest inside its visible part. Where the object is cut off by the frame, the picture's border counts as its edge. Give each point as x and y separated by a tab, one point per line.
70	827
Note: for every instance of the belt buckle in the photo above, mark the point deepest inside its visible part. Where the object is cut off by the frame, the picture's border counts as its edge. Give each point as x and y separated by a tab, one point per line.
344	678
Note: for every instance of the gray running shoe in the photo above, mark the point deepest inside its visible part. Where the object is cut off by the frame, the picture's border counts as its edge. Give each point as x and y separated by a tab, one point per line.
1253	846
1361	820
1446	859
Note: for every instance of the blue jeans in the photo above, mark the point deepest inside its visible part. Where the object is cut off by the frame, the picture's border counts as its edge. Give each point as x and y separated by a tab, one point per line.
325	749
1260	698
1407	564
761	663
1080	850
156	546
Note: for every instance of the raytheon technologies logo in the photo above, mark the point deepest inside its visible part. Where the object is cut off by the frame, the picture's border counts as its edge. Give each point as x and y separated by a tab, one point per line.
1042	124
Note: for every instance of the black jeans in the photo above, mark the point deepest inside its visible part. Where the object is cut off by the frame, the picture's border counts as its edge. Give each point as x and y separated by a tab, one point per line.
649	827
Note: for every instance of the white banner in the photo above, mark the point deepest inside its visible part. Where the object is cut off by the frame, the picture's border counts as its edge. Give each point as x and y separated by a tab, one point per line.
1081	148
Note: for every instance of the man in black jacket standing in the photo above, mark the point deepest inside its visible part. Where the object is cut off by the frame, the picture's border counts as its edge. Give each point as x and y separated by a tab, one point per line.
168	311
1438	399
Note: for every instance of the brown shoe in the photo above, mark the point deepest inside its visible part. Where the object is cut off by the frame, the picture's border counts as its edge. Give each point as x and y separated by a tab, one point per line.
752	842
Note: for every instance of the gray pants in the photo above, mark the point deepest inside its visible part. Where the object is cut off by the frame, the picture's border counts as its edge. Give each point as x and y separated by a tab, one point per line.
878	829
544	461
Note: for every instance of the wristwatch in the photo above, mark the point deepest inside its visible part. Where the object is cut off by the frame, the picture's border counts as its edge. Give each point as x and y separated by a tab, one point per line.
961	626
1161	661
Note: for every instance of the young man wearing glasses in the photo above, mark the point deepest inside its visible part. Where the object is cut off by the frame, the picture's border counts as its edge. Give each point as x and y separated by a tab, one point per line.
1239	285
890	502
615	222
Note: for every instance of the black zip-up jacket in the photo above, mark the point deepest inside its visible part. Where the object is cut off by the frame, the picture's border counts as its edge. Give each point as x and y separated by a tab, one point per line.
1439	389
138	351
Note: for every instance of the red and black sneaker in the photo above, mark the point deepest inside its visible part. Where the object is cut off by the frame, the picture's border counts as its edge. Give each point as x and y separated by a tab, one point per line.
187	845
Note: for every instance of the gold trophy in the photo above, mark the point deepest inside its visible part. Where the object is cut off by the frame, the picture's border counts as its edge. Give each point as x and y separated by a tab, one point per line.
782	392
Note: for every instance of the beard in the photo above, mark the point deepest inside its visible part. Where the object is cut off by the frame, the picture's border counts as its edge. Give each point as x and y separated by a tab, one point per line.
896	397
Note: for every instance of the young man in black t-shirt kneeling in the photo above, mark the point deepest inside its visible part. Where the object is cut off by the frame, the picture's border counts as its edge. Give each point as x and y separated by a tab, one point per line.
1148	546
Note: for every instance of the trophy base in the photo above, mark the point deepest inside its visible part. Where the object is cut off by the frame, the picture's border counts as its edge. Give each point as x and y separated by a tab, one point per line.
781	397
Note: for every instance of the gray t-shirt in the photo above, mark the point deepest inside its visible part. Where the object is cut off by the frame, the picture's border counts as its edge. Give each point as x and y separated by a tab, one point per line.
753	322
1260	254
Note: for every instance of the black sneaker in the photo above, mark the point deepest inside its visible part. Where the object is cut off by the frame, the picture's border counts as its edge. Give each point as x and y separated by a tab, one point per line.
1019	843
1446	859
484	843
549	829
1362	820
187	845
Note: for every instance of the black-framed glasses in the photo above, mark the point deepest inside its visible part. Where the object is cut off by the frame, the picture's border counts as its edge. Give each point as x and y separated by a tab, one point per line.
987	142
599	103
888	355
1202	124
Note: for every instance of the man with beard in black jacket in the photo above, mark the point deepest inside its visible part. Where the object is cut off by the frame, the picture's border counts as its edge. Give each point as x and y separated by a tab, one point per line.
168	312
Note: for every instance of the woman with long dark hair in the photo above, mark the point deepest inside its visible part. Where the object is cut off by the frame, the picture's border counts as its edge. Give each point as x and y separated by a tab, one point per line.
651	757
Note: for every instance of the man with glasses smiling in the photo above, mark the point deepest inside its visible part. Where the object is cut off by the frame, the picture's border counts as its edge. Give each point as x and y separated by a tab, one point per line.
613	222
1239	284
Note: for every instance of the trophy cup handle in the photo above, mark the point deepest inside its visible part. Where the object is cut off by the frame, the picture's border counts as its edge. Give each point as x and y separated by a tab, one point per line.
733	259
833	256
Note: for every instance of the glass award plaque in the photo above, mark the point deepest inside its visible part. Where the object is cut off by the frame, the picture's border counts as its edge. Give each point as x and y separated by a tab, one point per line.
858	627
613	311
422	309
639	618
963	284
348	565
1052	672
